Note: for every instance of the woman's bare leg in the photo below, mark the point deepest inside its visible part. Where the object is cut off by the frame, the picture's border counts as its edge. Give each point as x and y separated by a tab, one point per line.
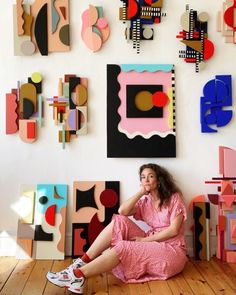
105	262
102	242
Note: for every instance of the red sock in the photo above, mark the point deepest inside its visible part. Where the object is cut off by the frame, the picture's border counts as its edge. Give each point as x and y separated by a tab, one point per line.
86	258
78	273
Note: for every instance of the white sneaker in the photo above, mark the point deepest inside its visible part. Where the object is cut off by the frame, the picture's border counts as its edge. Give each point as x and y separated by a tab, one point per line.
76	284
63	277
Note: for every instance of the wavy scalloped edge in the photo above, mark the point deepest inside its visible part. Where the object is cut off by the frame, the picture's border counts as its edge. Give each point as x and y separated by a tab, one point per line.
147	67
11	113
20	19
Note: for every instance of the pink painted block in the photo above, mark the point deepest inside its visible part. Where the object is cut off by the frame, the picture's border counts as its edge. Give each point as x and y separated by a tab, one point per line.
229	163
11	114
231	256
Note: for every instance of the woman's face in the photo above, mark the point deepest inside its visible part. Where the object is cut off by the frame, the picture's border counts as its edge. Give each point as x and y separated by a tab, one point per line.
149	179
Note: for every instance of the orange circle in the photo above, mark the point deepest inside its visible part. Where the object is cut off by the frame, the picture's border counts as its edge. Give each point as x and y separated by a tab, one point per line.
143	100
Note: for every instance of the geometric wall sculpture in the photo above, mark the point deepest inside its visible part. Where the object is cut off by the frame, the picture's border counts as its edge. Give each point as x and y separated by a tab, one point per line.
42	222
225	21
139	15
70	107
141	110
94	203
201	215
24	109
42	26
225	199
194	35
95	29
217	94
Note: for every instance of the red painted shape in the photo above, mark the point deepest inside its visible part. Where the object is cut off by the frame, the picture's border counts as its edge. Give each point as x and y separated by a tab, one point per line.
233	233
31	130
208	49
11	114
229	16
50	215
63	11
94	228
149	2
160	99
108	198
132	8
156	20
79	243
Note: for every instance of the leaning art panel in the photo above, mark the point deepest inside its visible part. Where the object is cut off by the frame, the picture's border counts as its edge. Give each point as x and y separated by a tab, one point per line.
141	110
94	203
42	222
42	26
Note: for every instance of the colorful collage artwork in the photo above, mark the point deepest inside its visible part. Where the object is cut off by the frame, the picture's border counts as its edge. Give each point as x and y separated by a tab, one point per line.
141	110
41	227
94	203
42	26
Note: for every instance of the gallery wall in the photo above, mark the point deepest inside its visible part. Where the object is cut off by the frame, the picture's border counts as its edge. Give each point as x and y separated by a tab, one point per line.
85	158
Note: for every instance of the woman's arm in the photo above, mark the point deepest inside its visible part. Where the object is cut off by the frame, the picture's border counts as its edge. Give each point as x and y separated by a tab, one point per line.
128	207
170	232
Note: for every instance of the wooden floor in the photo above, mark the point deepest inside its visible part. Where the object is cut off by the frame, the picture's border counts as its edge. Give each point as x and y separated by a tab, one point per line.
27	277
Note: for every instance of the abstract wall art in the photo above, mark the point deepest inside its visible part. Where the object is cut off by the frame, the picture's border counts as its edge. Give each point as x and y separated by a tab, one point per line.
226	22
42	26
94	203
194	35
141	110
225	199
24	109
70	107
215	103
41	226
139	16
95	29
201	234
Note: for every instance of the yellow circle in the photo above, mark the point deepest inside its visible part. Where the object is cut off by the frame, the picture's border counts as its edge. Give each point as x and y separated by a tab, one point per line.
36	77
143	101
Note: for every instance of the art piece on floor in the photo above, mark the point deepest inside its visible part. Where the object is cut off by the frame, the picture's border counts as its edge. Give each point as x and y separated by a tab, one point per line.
201	236
141	110
195	36
139	16
42	222
95	29
225	199
225	21
24	109
217	95
70	107
94	203
42	26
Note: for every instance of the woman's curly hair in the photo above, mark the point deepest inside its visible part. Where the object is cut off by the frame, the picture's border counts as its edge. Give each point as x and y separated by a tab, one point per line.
167	186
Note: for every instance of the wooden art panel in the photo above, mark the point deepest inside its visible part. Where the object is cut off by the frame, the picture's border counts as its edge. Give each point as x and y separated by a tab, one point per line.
41	229
94	203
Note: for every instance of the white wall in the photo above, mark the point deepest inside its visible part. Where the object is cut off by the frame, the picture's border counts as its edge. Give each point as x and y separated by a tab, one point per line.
85	157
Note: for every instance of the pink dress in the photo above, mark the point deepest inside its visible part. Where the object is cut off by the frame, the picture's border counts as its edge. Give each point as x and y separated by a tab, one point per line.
146	261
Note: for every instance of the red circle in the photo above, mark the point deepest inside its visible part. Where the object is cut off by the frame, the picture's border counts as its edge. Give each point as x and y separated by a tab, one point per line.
160	99
208	49
229	16
109	198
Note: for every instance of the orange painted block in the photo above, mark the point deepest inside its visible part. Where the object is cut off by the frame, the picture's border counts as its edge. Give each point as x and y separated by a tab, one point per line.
11	114
31	130
222	221
227	188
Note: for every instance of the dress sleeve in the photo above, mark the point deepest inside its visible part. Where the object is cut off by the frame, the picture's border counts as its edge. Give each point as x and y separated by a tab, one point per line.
139	206
177	206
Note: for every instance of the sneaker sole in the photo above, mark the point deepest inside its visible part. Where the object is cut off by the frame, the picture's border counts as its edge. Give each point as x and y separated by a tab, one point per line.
75	291
59	284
